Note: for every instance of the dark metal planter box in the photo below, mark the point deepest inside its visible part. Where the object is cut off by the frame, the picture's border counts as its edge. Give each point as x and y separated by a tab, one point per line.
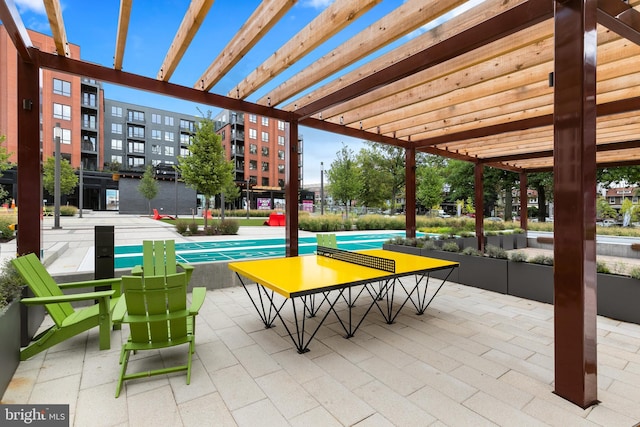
31	318
447	256
9	343
412	250
492	240
531	281
484	273
508	242
520	241
619	297
467	242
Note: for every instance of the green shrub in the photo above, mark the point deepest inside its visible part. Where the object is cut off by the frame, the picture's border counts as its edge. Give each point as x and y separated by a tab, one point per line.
228	226
193	227
471	251
635	273
518	257
519	230
601	267
68	210
181	226
495	252
5	222
450	247
11	284
542	259
430	245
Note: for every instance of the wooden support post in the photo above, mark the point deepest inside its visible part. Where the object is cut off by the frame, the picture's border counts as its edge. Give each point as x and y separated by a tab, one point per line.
410	192
29	158
575	193
292	178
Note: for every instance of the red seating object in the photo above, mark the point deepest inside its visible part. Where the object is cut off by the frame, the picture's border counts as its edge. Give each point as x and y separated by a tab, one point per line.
157	215
275	219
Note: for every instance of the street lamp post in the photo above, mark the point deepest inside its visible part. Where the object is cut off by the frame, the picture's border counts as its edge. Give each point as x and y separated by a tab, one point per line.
321	188
56	178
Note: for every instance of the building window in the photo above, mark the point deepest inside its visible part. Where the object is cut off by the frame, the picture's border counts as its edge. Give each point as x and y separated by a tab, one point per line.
280	125
253	149
168	151
135	132
265	121
89	143
116	128
187	125
612	200
116	111
265	136
169	136
280	182
265	181
281	169
155	149
156	134
265	166
253	165
168	120
155	162
116	144
280	140
156	118
265	150
89	121
185	139
89	99
253	134
61	111
61	87
116	159
66	136
281	154
136	147
136	162
253	118
184	152
135	116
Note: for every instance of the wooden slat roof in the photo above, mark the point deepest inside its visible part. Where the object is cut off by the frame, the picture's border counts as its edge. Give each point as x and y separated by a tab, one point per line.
476	87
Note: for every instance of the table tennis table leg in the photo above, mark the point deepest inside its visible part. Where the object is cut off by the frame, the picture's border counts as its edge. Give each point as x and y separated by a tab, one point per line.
421	304
267	314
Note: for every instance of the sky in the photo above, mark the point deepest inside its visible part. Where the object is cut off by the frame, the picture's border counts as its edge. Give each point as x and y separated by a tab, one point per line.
93	26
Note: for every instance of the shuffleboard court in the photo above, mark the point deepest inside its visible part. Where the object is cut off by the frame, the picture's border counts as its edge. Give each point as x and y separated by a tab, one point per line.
238	249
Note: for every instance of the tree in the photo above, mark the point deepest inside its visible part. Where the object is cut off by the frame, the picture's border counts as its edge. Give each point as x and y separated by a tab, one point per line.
373	191
148	186
344	177
68	178
206	169
4	165
429	188
543	184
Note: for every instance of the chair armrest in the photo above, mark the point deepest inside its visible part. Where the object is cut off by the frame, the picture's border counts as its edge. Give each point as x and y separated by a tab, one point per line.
188	269
55	299
119	311
136	270
197	299
89	283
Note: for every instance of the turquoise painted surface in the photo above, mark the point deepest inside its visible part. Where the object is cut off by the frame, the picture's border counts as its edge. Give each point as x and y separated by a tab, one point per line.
231	250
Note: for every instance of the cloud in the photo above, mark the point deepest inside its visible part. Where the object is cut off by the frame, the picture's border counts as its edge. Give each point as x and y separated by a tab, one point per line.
317	4
36	6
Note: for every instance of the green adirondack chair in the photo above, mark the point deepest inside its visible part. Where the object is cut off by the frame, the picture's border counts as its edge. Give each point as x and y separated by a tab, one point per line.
68	321
155	307
159	259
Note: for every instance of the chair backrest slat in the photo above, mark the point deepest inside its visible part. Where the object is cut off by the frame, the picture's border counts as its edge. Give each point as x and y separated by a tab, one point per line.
170	256
42	285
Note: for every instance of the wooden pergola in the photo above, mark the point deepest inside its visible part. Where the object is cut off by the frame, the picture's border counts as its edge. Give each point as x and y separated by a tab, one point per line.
526	86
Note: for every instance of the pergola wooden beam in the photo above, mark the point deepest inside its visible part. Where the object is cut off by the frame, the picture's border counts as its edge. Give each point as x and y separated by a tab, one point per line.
333	19
16	30
621	18
266	15
193	18
123	28
401	21
58	32
495	28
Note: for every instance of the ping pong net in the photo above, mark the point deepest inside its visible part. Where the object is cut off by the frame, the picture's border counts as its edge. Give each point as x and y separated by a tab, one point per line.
370	261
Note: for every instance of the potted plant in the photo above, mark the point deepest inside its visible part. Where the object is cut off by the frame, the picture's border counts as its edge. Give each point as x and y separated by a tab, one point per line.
618	295
520	238
11	285
485	271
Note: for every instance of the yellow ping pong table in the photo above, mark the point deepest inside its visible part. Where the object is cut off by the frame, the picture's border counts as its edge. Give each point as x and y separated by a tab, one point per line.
308	282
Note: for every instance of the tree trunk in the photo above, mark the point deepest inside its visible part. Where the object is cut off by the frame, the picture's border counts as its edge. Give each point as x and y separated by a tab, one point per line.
508	204
542	203
206	212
